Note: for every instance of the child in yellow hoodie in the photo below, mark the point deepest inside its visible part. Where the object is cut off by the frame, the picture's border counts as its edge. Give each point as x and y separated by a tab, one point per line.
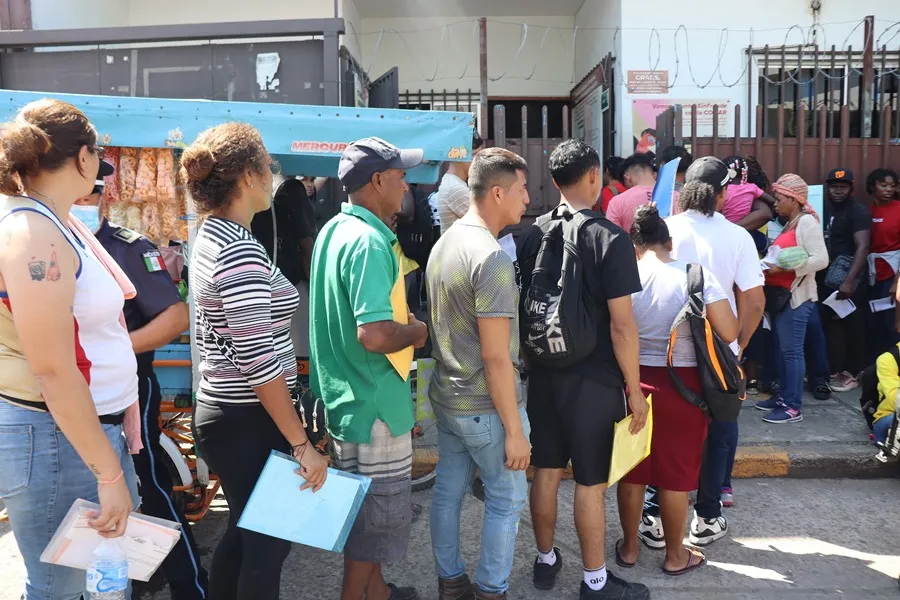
888	372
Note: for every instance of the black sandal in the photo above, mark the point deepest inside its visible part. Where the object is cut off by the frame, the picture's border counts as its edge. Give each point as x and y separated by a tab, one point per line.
691	565
621	561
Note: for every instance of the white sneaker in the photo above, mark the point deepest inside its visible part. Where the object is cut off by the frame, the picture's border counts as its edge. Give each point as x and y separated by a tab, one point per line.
651	532
705	531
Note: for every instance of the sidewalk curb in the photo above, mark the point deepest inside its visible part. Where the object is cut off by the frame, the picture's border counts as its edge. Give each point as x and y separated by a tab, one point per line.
800	461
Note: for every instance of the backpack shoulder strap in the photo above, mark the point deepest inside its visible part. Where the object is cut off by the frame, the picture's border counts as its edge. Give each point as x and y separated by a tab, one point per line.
694	305
613	189
895	352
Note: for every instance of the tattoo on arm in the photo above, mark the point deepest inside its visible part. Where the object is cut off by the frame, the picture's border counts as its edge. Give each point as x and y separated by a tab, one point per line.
42	270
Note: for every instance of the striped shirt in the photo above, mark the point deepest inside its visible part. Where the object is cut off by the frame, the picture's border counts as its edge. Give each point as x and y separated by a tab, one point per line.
249	304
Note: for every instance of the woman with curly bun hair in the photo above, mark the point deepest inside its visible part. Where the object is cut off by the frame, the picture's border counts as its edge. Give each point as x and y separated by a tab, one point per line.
65	355
244	306
680	430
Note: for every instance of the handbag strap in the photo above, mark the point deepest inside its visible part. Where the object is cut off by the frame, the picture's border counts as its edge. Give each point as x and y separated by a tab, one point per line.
225	347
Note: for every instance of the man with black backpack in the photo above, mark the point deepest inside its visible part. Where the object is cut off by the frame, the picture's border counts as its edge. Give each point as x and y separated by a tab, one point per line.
581	343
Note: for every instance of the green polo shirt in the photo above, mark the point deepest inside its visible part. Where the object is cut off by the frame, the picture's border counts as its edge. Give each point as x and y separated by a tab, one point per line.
354	269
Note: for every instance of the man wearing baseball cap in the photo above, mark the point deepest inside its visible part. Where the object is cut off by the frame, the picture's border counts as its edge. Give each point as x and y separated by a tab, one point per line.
370	414
848	235
702	235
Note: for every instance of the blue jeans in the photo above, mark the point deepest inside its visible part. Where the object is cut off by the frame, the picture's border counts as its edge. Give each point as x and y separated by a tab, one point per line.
790	332
815	344
718	461
882	427
465	443
41	476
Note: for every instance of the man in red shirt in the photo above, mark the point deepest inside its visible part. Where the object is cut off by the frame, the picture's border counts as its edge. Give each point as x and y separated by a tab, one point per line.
884	257
612	181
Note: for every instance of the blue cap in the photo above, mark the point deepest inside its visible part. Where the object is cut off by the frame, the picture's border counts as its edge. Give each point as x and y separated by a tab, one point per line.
362	159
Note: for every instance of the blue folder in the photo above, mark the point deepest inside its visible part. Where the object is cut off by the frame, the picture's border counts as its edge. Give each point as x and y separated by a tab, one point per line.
664	190
323	519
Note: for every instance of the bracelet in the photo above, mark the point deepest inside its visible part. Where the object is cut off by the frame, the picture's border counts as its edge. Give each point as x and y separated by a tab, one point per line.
301	447
111	481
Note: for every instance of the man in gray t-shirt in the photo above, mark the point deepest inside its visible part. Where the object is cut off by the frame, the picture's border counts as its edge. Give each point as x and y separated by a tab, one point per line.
475	388
470	277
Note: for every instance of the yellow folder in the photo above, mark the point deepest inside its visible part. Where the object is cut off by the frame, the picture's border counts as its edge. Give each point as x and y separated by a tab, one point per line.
402	359
629	450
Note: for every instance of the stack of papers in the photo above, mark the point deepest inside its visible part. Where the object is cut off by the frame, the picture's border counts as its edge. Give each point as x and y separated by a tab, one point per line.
322	519
630	450
841	308
147	541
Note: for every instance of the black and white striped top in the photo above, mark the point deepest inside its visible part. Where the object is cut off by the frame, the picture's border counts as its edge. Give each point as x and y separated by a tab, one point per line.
249	303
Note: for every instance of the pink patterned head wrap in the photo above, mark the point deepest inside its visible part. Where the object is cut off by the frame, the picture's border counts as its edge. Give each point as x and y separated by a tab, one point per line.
793	186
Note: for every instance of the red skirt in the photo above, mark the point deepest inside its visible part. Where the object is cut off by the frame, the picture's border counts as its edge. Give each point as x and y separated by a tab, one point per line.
679	433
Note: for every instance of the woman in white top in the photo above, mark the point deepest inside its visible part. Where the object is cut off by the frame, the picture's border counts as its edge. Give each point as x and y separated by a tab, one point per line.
680	427
65	355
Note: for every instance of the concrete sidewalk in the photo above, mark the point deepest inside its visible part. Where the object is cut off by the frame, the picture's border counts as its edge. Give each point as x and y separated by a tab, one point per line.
831	441
789	538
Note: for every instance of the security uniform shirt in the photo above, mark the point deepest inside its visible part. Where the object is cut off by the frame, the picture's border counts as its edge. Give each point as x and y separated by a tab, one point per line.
142	263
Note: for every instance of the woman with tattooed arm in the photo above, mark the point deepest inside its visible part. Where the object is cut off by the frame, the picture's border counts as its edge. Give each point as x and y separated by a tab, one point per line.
67	369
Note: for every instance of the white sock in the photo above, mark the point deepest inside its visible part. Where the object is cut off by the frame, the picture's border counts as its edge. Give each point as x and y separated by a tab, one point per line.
547	558
595	579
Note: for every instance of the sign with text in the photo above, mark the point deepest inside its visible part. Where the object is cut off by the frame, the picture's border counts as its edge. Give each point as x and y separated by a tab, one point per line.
648	82
644	113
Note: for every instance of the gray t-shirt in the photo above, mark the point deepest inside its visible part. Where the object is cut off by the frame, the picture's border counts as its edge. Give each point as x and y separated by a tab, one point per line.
468	276
663	296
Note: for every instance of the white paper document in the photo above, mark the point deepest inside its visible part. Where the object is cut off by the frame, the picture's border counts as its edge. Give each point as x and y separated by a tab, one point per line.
147	541
881	304
841	308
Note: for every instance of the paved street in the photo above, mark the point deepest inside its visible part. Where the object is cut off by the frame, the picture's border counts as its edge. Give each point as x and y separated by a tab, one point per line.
791	538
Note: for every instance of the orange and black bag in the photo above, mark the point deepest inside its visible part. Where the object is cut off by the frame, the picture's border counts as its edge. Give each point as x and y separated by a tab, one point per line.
721	377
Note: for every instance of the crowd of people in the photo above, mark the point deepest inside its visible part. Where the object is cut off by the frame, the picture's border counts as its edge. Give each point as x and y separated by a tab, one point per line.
538	353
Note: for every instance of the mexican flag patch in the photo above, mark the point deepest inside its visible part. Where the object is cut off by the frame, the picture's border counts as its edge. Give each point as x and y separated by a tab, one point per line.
153	261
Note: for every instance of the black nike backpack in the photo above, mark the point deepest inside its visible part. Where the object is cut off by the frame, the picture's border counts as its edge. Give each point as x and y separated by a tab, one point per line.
558	317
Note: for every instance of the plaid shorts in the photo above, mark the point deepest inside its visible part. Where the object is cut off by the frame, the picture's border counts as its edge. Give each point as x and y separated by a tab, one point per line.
381	531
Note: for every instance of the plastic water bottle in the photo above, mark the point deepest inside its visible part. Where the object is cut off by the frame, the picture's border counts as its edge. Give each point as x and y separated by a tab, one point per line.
107	577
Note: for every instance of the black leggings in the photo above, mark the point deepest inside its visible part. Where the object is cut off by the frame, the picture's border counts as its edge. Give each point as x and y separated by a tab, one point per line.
235	442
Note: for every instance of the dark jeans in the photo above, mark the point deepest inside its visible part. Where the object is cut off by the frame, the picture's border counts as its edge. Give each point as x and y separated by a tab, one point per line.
718	461
881	328
847	337
817	363
236	441
187	579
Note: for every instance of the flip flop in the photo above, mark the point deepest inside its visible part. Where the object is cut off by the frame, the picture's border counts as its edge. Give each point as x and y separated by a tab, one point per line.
621	561
691	565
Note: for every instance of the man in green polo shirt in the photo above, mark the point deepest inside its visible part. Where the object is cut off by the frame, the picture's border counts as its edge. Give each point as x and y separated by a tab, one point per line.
368	405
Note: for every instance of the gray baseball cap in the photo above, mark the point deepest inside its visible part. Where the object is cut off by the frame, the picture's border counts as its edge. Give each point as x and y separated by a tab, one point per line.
362	159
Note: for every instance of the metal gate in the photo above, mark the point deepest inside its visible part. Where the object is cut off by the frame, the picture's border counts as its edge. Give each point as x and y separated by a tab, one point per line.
384	92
